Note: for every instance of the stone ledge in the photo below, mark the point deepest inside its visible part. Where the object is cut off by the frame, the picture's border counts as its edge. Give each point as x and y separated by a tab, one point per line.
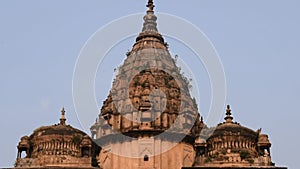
54	167
236	167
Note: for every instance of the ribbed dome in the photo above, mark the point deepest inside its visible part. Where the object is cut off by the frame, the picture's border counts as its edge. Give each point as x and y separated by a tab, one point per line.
229	129
232	142
56	145
56	129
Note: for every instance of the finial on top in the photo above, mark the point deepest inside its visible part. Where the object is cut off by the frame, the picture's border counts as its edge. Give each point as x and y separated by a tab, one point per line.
228	117
150	5
63	111
228	110
62	118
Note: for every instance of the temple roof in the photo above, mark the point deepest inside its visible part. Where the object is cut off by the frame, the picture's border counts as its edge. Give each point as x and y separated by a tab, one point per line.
57	129
149	81
229	127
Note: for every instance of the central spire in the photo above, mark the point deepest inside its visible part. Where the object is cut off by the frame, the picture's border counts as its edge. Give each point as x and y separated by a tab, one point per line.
149	31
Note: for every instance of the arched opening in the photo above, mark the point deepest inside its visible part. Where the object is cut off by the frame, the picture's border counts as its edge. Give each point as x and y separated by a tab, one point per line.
85	152
146	158
23	154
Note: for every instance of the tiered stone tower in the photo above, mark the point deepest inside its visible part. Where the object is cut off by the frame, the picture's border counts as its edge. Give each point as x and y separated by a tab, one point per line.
149	119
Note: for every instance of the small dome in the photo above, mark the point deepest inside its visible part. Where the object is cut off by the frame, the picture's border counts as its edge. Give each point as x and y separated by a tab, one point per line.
57	129
231	144
230	128
59	141
233	137
233	129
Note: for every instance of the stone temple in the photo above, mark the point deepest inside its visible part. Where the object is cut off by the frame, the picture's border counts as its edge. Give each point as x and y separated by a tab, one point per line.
148	121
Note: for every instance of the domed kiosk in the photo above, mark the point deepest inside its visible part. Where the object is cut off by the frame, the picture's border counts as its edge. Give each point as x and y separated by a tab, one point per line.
59	145
232	144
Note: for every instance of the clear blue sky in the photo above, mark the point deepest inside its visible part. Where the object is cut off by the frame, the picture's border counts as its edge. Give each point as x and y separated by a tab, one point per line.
258	43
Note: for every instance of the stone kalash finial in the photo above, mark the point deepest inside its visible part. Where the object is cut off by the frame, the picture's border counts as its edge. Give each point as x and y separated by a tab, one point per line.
150	5
62	118
150	19
228	117
149	32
